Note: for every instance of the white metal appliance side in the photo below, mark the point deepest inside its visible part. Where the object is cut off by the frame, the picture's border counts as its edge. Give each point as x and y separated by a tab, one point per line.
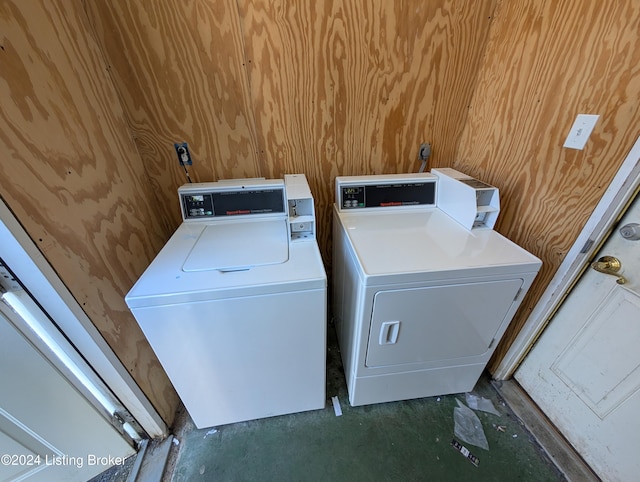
240	344
355	290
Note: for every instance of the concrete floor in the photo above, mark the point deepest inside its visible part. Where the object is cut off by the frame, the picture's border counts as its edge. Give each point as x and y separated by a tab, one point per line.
408	440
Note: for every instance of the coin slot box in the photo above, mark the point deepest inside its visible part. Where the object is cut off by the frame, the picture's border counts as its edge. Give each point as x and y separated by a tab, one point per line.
302	218
471	202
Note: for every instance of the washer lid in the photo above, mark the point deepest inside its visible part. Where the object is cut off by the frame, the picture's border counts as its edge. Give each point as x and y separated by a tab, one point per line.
165	281
238	246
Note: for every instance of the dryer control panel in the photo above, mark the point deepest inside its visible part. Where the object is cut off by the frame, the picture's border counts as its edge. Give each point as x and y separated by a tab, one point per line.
386	191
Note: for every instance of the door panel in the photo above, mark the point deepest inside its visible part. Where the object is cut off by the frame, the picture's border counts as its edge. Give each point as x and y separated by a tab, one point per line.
584	372
48	430
601	381
438	322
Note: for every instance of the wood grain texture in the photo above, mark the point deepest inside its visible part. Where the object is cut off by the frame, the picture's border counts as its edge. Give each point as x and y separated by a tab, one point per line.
268	88
179	68
546	62
256	89
71	174
95	94
354	87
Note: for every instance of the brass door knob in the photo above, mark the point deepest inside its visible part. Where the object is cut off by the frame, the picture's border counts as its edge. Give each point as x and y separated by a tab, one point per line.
609	265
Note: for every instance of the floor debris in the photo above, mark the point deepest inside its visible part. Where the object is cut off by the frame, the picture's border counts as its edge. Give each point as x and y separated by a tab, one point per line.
476	402
465	451
336	406
467	426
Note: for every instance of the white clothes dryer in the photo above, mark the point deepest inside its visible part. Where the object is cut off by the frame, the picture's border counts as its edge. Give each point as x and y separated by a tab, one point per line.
420	301
234	305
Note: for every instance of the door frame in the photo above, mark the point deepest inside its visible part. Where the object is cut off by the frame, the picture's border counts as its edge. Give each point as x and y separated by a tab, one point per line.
611	206
29	265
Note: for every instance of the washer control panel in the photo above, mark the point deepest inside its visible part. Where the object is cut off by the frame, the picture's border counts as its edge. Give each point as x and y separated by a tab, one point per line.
232	198
198	205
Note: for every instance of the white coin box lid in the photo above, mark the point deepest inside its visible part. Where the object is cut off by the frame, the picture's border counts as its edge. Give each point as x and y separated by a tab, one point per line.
302	217
472	203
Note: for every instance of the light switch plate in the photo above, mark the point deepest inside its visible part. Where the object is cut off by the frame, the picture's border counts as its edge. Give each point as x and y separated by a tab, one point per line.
580	131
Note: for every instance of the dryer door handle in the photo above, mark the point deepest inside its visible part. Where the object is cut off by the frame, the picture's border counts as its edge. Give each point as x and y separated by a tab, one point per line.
389	332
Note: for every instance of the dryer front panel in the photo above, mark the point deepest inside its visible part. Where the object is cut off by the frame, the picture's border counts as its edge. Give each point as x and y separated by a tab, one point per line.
436	323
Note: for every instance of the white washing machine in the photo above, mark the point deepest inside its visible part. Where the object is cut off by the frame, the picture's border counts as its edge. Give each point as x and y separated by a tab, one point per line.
423	287
234	305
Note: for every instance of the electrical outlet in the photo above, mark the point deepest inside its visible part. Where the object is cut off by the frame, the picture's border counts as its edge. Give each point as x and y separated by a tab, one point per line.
424	152
182	150
580	131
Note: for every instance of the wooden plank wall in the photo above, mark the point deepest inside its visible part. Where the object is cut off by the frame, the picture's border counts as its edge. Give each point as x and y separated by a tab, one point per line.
546	62
71	174
264	88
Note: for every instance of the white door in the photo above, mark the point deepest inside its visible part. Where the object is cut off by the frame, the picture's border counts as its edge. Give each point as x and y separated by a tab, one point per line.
48	430
584	372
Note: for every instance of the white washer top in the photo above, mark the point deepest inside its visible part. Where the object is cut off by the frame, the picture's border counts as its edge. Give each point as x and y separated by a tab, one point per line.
234	246
427	241
228	258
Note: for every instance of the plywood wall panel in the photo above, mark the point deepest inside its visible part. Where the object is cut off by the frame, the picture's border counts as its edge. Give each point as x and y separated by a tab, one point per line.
179	68
71	174
96	93
354	87
546	62
263	88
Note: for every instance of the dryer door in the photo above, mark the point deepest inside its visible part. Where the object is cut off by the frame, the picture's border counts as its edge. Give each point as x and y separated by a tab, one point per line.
434	323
